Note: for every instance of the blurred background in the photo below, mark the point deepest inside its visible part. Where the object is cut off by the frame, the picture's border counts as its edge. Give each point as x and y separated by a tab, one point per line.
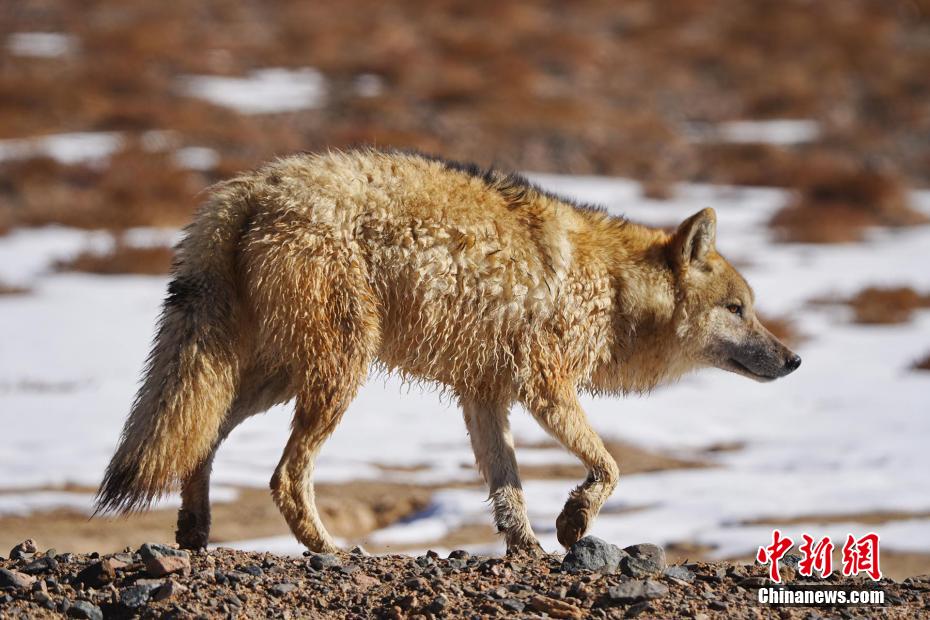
805	123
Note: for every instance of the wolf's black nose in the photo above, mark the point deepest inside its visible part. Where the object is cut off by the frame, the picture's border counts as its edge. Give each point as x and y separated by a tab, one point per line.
793	362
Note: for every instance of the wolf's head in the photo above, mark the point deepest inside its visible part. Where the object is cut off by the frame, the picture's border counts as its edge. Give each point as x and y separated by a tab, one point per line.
714	307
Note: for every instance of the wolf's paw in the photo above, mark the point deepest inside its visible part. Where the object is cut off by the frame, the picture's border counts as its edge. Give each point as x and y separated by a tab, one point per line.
525	549
193	533
572	522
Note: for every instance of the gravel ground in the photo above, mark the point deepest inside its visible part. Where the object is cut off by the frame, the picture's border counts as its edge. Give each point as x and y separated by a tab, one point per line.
595	580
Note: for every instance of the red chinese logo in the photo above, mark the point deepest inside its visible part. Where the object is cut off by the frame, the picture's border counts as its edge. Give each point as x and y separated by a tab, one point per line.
774	552
861	556
817	557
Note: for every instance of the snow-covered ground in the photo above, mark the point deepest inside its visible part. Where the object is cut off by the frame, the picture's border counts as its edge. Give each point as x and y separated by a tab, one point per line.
845	434
265	91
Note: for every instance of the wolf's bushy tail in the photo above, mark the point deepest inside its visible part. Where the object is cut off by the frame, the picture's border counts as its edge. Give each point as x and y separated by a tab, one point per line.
193	368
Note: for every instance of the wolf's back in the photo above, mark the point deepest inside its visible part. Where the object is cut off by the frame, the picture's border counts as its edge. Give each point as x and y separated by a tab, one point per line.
192	370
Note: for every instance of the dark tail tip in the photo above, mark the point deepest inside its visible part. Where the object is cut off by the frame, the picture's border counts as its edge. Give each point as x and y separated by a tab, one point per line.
119	492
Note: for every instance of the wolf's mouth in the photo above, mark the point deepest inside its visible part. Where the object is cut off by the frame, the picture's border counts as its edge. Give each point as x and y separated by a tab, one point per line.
739	368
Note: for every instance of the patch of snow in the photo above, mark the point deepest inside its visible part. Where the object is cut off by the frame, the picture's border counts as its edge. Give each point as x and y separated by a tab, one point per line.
41	44
779	132
66	148
196	158
266	91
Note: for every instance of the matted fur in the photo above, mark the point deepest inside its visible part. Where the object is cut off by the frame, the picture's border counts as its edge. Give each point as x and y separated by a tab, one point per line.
295	279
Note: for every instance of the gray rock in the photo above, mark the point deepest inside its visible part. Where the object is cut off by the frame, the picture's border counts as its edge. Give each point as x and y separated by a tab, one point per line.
438	605
45	564
149	551
636	590
280	589
15	580
592	553
24	550
319	561
43	599
97	574
86	610
512	604
136	596
679	574
457	563
254	570
639	568
650	553
459	554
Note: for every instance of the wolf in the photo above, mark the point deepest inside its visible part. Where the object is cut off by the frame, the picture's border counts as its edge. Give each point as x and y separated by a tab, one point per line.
294	280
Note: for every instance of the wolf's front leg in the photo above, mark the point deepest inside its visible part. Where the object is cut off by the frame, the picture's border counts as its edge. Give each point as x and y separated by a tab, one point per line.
555	406
489	430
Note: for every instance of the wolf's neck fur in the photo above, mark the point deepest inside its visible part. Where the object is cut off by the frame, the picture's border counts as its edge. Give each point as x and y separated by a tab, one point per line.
642	350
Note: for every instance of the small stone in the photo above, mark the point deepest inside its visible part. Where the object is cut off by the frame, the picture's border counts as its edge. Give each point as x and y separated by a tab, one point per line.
737	571
555	608
639	568
13	579
457	563
24	550
168	590
407	602
592	553
319	561
650	552
235	576
636	590
365	582
512	604
717	605
679	574
86	610
161	560
281	589
254	570
416	583
459	554
97	574
136	596
438	605
43	599
359	550
424	561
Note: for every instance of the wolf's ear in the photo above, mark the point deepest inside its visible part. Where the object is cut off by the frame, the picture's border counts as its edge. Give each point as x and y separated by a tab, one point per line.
694	238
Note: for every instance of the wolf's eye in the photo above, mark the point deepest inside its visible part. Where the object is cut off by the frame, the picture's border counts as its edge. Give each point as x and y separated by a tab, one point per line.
736	309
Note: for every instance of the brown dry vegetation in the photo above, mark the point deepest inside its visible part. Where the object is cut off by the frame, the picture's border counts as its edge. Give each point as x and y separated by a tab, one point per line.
9	289
591	87
121	259
837	200
886	306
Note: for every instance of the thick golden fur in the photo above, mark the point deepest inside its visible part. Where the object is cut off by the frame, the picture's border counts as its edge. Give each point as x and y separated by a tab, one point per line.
295	279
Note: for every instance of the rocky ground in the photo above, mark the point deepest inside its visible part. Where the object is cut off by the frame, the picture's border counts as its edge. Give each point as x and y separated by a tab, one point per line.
595	580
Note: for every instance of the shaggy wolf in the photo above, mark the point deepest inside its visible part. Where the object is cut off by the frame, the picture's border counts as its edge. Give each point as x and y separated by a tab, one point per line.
294	279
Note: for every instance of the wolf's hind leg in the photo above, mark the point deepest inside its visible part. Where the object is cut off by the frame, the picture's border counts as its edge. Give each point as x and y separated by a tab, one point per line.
557	409
256	394
489	430
320	406
326	328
